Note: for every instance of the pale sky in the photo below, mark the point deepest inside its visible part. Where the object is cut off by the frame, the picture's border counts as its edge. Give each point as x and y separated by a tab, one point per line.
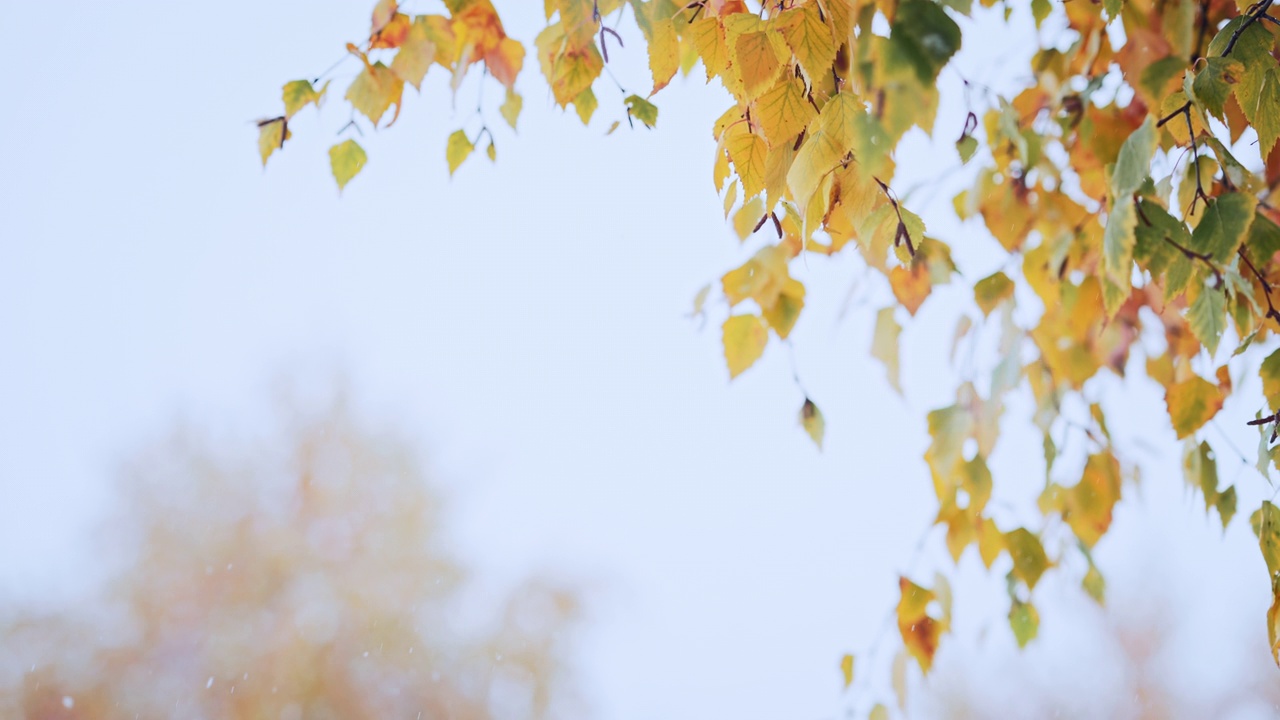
525	322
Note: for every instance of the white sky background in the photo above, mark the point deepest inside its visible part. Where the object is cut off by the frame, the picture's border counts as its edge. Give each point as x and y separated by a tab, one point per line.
524	322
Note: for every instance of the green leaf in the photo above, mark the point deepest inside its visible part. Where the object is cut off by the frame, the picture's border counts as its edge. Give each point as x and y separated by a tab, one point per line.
1266	119
884	344
1134	162
992	290
299	94
1025	622
1094	584
1224	225
1029	559
457	150
1208	317
1227	505
642	110
1118	241
966	146
346	160
1213	84
1040	10
949	427
1267	527
922	37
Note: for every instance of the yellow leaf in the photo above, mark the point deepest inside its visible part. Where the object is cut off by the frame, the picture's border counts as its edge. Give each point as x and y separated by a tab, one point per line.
585	105
846	669
416	54
744	339
664	51
299	94
990	542
879	712
920	633
1088	504
708	38
829	141
271	136
346	159
783	112
511	106
458	149
747	217
884	344
762	278
785	310
730	198
810	39
757	61
816	426
374	91
1273	624
1192	403
748	152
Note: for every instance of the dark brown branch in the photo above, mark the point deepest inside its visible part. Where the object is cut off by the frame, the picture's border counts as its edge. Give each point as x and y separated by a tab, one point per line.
1205	258
1266	286
900	233
1202	30
1250	18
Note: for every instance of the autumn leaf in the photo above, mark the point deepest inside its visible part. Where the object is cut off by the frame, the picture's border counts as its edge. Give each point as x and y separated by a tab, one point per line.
846	670
884	345
744	339
810	39
813	423
416	54
271	136
642	110
991	291
920	632
1025	622
1192	403
457	150
511	106
374	91
299	94
346	159
1029	559
783	112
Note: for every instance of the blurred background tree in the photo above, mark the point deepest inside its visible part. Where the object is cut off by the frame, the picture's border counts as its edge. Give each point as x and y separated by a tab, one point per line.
305	578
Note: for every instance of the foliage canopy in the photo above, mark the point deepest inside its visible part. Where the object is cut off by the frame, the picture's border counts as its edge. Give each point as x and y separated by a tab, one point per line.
1127	185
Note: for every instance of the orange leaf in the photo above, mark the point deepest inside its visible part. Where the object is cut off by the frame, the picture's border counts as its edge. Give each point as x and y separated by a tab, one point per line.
910	285
392	35
505	61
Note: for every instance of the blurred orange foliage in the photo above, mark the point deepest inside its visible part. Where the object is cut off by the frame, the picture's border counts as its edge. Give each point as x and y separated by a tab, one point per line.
307	579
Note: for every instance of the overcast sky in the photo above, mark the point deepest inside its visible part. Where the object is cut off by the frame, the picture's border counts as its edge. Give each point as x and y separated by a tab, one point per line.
524	322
